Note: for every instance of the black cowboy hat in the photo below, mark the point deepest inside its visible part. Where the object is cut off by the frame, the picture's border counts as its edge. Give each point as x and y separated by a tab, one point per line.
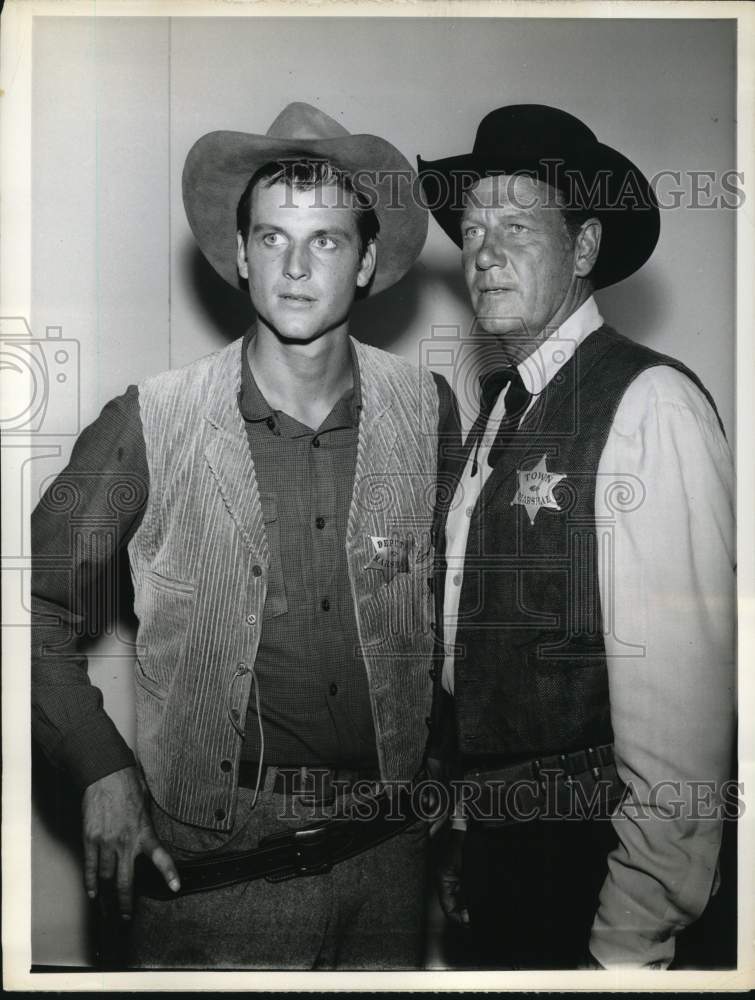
220	164
559	149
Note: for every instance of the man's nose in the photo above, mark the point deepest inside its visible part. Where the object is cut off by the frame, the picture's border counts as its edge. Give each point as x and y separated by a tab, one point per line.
491	253
297	262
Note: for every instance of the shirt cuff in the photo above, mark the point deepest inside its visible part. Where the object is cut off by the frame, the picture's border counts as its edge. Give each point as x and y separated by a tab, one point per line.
623	947
93	751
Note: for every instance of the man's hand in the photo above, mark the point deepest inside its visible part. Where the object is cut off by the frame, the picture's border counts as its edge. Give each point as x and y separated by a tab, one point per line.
117	827
448	877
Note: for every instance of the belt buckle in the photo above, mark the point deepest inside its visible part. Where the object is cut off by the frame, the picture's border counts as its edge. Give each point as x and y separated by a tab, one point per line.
313	851
309	852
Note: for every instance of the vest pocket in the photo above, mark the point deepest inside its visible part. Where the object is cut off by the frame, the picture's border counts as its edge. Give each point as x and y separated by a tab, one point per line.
168	583
275	602
404	606
167	606
145	681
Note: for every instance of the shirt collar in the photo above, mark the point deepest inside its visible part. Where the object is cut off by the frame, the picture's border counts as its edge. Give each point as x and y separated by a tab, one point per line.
254	407
539	368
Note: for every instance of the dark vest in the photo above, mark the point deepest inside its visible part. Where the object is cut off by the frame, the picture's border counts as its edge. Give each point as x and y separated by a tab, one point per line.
530	671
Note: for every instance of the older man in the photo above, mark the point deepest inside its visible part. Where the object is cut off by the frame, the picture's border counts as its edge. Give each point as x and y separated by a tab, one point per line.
587	672
282	602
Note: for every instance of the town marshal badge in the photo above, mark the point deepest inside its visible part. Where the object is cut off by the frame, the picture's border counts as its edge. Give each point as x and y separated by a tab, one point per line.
535	490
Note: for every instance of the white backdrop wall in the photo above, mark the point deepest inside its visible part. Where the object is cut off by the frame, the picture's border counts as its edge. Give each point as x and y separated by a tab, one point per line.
118	102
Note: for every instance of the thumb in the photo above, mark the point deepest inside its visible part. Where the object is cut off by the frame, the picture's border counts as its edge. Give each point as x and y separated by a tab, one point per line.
160	858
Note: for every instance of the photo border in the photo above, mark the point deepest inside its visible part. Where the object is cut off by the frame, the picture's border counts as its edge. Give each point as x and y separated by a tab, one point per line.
15	300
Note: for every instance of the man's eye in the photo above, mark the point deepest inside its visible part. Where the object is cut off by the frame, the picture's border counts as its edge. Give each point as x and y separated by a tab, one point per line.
324	243
517	228
472	232
273	239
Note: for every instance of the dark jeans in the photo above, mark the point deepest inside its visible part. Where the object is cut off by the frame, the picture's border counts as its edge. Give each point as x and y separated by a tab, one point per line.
532	891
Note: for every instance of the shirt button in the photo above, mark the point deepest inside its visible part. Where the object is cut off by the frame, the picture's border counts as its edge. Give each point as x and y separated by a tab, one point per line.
334	689
256	570
457	579
225	765
315	442
325	604
242	668
270	423
320	522
251	619
219	814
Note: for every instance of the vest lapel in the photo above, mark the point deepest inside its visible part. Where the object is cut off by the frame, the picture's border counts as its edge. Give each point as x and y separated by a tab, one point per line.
227	453
533	438
377	438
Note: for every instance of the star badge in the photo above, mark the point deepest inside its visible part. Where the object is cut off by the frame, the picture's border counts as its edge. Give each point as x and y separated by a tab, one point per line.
391	555
535	490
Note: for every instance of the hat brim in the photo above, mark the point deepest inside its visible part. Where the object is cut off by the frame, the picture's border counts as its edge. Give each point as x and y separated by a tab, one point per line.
220	164
623	201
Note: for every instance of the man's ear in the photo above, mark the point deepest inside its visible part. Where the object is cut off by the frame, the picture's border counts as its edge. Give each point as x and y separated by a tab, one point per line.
587	247
367	267
241	261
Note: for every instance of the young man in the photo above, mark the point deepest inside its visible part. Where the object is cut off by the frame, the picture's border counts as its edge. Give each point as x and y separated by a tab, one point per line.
589	592
277	538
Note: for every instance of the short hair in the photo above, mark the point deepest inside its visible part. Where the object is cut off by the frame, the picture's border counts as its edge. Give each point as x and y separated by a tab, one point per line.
303	174
574	219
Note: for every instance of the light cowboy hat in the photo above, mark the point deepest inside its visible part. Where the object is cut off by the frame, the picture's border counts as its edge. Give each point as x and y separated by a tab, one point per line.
220	164
559	149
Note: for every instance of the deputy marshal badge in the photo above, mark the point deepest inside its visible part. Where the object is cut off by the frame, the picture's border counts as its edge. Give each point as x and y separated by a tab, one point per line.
535	490
391	555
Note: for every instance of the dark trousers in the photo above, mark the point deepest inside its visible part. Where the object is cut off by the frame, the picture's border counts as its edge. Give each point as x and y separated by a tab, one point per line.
532	891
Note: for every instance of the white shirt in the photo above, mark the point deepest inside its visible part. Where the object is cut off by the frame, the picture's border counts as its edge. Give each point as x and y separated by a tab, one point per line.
667	599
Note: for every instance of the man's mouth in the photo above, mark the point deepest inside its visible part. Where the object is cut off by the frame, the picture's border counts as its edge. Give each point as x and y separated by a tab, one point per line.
295	297
495	289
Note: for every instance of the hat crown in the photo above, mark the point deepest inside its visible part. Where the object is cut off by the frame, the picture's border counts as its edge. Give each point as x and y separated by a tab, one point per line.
529	127
303	121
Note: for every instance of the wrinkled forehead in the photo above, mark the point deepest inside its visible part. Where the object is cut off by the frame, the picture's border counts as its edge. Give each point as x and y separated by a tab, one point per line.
517	192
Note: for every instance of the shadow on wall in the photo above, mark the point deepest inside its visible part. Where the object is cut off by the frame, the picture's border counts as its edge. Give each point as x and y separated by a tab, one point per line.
57	802
644	300
385	319
56	805
229	311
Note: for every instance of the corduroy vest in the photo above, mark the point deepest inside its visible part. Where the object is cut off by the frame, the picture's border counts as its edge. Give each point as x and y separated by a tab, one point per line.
200	559
530	674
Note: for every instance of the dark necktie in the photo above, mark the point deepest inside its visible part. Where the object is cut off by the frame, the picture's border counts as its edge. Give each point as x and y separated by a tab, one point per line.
517	401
